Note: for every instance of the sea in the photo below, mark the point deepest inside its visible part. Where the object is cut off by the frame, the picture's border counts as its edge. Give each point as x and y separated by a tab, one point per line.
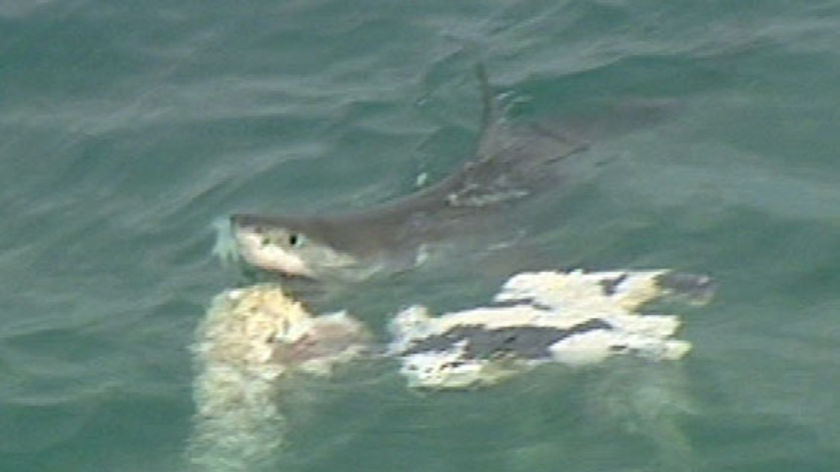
128	128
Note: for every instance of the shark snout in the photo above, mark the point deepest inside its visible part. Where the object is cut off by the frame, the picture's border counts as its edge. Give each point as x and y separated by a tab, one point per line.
244	224
242	221
255	223
247	232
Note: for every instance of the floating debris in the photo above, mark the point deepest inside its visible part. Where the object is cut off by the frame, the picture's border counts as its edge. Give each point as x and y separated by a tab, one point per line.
573	318
257	343
249	349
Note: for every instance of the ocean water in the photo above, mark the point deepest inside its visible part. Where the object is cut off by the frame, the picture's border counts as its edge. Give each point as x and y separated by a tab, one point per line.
127	128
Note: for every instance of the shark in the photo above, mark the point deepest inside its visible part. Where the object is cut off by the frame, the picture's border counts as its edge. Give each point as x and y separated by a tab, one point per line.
512	162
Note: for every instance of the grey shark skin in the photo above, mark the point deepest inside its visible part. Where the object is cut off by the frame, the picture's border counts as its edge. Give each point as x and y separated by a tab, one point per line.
511	163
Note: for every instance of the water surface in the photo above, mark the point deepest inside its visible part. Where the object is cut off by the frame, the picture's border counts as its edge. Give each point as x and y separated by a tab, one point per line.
127	128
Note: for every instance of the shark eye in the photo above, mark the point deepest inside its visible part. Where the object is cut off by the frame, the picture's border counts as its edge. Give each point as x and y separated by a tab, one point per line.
295	240
265	241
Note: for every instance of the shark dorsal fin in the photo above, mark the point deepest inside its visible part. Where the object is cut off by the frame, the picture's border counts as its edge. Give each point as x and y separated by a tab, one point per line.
492	116
490	111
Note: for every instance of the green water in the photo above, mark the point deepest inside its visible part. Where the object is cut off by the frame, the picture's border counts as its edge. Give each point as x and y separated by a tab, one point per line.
126	128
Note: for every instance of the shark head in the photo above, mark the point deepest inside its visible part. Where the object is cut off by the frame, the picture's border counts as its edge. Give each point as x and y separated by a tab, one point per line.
291	247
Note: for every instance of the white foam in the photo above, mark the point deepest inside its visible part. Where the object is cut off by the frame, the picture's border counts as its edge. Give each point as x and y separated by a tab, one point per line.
225	246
